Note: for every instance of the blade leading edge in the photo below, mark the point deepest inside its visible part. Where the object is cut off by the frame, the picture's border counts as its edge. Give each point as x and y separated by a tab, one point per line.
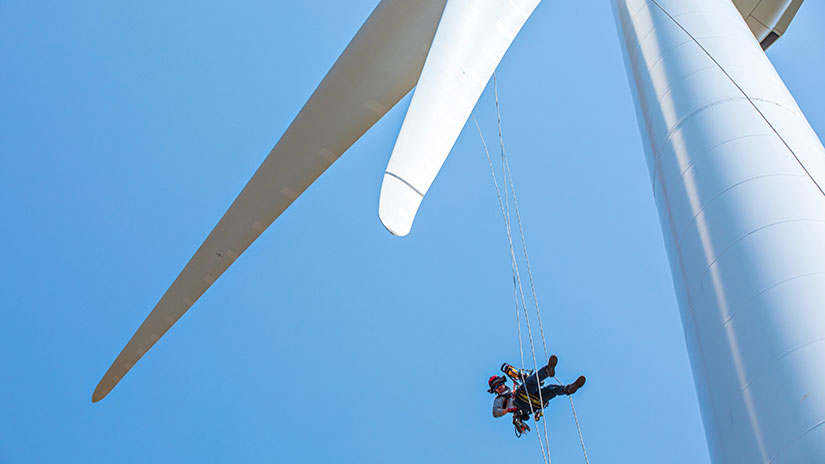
379	66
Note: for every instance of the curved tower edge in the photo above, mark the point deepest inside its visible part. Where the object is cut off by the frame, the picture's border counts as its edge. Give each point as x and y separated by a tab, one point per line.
738	175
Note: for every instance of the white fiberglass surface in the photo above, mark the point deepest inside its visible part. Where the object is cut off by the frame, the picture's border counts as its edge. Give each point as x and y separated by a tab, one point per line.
376	70
737	173
471	40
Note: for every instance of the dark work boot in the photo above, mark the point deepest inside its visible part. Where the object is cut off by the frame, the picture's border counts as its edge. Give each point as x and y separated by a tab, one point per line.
574	387
550	368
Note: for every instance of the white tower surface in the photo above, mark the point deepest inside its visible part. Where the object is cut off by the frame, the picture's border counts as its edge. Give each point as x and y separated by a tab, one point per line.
738	176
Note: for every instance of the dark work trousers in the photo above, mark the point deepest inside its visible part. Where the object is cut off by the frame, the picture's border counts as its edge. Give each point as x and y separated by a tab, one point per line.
531	386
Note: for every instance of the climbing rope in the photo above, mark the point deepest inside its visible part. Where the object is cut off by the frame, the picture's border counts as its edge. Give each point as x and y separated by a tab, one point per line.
507	176
516	278
506	162
504	205
578	428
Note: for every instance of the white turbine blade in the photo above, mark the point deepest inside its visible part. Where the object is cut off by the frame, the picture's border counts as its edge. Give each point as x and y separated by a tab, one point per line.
379	67
471	40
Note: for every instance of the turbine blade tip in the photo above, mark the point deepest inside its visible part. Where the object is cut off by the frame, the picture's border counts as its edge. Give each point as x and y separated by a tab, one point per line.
100	392
398	204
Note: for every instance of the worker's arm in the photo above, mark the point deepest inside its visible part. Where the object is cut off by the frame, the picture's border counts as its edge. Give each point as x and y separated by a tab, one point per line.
499	407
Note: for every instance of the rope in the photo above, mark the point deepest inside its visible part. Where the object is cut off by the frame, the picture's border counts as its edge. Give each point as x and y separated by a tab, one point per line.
576	417
518	216
513	263
505	166
506	163
517	282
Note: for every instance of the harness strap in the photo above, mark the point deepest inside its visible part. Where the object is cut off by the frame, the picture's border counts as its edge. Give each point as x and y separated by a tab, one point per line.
533	400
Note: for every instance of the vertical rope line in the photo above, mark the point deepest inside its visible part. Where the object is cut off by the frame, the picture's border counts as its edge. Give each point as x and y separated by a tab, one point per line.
518	289
505	164
576	417
505	176
514	266
529	328
508	171
518	218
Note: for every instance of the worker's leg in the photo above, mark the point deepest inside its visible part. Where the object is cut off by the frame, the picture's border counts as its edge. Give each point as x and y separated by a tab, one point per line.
547	393
573	387
534	381
531	386
551	391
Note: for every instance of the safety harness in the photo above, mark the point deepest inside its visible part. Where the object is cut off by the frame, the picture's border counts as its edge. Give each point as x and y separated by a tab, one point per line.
535	402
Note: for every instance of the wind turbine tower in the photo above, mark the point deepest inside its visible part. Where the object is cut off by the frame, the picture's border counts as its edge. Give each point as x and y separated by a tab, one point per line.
738	176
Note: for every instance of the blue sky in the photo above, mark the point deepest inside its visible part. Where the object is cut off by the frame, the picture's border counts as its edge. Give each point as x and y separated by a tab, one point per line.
129	128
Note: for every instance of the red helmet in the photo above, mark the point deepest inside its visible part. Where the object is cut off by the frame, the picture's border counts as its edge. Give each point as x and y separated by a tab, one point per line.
495	381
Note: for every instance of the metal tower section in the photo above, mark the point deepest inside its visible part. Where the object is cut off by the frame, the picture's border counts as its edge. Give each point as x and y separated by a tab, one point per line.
738	176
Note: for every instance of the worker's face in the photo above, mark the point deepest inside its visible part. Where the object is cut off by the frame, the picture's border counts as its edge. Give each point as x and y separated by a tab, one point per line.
501	388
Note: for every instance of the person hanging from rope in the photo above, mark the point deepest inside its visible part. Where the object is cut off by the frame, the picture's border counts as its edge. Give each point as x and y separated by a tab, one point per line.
529	396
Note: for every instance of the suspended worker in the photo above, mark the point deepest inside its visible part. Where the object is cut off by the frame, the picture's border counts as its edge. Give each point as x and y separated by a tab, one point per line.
529	396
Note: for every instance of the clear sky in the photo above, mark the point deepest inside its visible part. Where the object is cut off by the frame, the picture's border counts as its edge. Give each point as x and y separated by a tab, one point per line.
129	127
